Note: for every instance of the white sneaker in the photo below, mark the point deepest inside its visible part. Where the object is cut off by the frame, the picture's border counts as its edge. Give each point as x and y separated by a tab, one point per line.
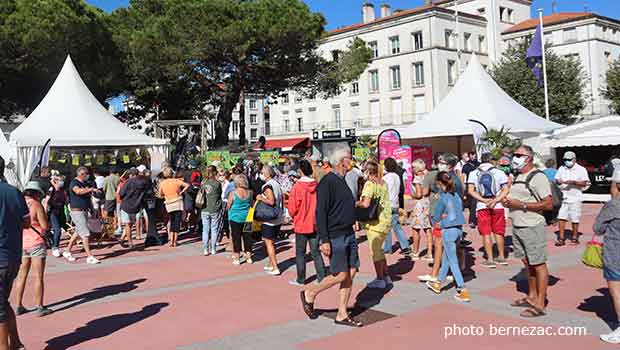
388	280
450	278
612	338
213	252
68	256
426	278
206	252
379	284
267	268
92	260
56	252
275	272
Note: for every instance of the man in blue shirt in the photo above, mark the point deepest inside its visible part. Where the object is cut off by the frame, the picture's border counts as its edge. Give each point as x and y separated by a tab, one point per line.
13	219
550	169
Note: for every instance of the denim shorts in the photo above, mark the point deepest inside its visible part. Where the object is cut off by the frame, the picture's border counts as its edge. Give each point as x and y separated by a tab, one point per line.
611	275
127	218
38	251
345	254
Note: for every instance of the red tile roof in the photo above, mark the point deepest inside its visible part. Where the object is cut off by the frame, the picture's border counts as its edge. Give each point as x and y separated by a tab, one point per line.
555	18
399	14
302	142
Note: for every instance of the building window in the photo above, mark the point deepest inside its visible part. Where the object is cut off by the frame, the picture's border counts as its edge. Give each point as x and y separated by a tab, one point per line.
418	74
418	43
482	44
252	104
570	35
395	75
253	133
355	88
467	41
355	114
298	98
267	125
448	38
374	80
300	124
374	48
335	55
253	119
451	72
481	11
337	118
285	99
395	45
506	15
608	58
235	128
287	125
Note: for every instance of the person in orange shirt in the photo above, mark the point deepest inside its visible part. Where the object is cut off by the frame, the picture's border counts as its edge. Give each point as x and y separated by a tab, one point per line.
172	189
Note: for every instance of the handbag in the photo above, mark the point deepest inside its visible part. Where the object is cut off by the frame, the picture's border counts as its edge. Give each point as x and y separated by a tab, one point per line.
368	214
94	224
248	226
265	212
47	237
593	254
201	199
175	205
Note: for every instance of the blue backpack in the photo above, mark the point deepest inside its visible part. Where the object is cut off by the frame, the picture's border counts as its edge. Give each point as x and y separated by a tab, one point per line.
487	187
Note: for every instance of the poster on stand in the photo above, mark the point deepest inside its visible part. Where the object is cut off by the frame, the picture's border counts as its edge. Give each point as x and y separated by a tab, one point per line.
424	152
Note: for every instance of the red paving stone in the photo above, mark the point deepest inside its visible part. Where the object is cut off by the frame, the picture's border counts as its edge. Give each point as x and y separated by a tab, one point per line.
425	328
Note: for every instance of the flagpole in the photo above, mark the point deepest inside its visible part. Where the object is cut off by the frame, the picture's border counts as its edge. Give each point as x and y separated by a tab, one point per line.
544	62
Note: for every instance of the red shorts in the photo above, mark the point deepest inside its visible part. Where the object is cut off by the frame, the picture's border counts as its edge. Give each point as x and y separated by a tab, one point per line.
491	221
436	231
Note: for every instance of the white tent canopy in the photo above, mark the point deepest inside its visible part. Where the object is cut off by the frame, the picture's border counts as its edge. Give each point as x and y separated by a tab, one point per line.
70	116
476	96
598	132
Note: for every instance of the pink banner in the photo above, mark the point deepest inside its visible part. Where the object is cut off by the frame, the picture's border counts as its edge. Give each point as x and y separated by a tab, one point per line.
424	152
388	141
403	154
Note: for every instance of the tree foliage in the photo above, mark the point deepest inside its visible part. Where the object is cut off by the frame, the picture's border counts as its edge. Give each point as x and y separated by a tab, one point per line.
612	88
566	83
499	140
208	52
35	38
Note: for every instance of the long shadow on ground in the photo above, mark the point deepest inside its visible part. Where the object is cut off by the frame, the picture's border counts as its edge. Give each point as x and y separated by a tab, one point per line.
98	293
103	327
601	305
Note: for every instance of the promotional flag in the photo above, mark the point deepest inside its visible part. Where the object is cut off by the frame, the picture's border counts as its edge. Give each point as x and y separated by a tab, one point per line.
534	56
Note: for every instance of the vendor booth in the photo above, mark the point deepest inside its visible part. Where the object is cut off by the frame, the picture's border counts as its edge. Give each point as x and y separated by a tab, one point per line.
596	143
475	100
79	131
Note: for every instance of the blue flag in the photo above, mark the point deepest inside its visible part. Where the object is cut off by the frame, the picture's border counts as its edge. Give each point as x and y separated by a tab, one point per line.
535	56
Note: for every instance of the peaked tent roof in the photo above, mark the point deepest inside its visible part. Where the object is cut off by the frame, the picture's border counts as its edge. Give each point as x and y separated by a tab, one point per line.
70	115
476	96
5	148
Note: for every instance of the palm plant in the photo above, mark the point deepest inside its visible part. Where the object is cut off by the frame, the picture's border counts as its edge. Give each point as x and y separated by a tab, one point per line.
498	140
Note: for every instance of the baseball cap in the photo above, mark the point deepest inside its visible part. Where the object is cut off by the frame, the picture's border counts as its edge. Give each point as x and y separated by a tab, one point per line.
141	168
570	155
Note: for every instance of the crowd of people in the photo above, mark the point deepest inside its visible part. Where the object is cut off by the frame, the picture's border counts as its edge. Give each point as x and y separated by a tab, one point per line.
326	201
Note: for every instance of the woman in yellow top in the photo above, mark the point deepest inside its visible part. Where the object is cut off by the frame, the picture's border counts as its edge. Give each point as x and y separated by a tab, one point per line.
172	189
377	230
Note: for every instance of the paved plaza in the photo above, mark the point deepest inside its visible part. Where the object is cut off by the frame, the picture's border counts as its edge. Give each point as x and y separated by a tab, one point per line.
165	298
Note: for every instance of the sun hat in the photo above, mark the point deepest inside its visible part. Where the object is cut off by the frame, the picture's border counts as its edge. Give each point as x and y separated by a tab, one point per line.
34	186
569	155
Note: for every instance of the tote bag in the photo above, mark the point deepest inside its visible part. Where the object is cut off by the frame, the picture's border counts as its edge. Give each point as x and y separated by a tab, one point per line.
174	205
593	254
265	212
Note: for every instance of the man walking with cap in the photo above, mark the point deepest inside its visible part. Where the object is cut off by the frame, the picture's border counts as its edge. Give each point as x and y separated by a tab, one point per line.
573	180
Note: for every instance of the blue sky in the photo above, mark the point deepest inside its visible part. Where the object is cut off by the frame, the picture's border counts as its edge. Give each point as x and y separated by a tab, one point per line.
344	12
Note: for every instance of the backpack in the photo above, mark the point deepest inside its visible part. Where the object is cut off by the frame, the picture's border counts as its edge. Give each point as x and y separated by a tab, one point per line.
486	183
557	197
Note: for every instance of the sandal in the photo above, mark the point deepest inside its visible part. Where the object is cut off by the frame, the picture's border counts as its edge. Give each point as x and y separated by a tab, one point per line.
349	322
308	307
522	303
560	242
533	312
574	241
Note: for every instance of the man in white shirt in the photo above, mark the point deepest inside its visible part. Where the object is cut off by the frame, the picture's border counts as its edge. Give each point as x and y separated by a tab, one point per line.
573	180
393	184
489	186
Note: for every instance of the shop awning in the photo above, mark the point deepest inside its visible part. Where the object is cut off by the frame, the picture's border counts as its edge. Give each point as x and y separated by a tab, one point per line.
286	145
599	132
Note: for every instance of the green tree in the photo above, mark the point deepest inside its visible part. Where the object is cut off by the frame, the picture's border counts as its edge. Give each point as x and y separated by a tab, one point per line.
566	83
35	38
612	89
220	48
498	141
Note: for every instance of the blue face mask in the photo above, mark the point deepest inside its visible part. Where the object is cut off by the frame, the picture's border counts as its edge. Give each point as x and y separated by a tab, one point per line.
569	163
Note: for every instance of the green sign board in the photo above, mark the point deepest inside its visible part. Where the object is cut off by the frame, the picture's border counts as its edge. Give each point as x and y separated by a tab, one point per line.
267	157
361	154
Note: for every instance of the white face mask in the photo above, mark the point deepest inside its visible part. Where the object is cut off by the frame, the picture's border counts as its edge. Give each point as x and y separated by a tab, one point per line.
61	183
569	163
262	177
518	163
443	167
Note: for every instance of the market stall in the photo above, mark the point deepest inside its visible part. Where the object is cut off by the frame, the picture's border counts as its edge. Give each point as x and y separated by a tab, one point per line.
80	131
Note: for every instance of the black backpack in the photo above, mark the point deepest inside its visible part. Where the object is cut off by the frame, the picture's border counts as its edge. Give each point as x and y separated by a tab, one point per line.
557	196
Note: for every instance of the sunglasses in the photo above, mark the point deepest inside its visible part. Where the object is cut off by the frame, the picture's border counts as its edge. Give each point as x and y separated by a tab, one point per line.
519	155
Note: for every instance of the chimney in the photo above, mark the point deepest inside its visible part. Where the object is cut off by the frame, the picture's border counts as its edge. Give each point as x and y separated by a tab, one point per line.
386	11
368	12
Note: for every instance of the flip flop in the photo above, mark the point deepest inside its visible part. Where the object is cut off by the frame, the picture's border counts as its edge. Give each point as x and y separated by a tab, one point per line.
532	312
522	303
574	241
308	307
560	243
349	322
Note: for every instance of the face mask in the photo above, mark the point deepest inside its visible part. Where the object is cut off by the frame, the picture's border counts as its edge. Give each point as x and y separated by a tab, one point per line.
262	177
442	167
518	163
569	163
61	183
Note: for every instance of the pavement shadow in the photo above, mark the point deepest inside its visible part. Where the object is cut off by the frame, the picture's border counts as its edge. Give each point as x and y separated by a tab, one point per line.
97	293
362	309
402	267
568	233
601	305
103	327
521	286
